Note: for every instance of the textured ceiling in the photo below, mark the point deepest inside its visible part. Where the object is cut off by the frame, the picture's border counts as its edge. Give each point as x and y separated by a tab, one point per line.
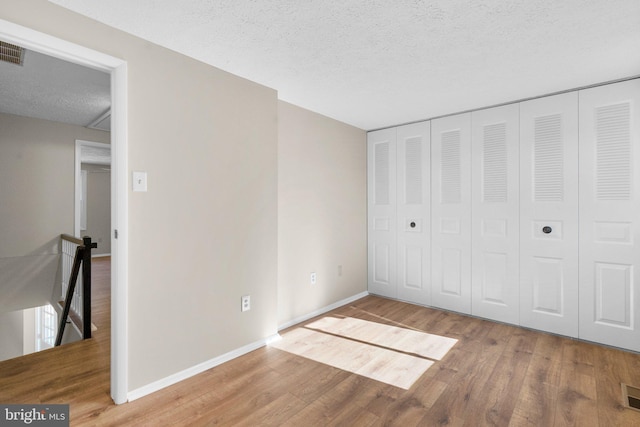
374	63
52	89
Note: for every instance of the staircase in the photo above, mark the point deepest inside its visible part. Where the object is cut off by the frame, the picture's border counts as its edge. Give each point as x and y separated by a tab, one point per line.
76	287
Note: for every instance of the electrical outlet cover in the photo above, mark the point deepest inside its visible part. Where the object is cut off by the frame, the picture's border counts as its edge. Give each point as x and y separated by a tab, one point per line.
245	303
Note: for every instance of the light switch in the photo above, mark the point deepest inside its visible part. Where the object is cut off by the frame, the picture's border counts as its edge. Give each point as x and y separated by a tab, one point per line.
139	181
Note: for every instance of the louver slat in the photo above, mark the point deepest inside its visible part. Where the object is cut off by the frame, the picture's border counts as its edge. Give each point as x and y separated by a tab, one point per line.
450	167
11	53
495	163
613	152
548	159
413	164
382	174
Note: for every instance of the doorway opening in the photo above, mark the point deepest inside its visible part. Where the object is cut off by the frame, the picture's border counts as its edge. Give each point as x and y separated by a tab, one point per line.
117	69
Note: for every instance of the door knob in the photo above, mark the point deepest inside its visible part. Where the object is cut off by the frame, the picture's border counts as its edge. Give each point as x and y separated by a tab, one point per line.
546	229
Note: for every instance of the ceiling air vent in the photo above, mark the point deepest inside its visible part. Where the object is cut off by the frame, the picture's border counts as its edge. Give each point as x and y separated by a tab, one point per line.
11	53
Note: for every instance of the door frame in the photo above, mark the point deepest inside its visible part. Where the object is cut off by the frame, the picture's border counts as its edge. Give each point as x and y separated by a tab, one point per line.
79	161
117	68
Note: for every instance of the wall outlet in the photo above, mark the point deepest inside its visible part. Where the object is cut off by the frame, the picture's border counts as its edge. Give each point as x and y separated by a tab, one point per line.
245	303
313	278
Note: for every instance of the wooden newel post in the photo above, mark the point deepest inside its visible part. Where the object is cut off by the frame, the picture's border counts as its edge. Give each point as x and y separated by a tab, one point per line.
86	287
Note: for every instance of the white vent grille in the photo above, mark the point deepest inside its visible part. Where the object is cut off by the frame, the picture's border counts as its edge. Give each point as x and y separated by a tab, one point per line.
382	173
11	53
548	154
413	164
494	165
450	167
613	152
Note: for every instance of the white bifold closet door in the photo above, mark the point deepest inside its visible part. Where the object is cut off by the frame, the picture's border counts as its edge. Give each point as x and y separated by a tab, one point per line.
495	280
381	201
549	214
610	214
451	213
413	212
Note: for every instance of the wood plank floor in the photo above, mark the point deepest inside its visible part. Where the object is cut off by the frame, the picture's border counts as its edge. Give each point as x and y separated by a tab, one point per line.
496	375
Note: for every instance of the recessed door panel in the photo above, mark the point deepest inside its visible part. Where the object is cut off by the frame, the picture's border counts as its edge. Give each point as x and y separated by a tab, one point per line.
451	212
613	294
548	283
495	220
382	264
451	272
412	267
494	280
609	214
549	214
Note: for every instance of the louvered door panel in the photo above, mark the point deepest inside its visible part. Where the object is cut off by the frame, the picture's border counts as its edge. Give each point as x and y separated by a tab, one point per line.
451	213
381	200
495	221
413	213
549	198
610	214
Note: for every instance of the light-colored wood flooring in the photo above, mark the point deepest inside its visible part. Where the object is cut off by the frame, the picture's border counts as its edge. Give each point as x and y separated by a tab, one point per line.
495	375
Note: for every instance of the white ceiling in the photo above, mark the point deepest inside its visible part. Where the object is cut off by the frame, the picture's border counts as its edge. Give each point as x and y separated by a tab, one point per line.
375	63
53	89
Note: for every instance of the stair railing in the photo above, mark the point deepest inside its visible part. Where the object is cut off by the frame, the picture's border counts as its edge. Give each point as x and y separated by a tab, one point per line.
77	300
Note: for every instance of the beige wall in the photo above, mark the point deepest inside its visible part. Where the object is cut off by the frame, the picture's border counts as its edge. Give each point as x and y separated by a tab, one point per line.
37	161
205	233
322	211
36	204
11	334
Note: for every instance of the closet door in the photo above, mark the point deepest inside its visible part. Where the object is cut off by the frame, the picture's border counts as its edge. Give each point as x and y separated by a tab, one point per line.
610	214
549	214
495	230
413	213
451	213
381	201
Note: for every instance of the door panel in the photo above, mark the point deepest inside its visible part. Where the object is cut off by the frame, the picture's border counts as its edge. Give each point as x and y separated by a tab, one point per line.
495	207
547	285
451	213
549	214
609	212
381	200
413	212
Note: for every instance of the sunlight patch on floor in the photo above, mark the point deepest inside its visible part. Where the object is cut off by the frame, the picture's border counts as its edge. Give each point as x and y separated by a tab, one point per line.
401	339
389	354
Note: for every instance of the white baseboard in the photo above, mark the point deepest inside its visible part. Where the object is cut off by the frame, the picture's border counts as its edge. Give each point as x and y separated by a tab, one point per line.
322	310
197	369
